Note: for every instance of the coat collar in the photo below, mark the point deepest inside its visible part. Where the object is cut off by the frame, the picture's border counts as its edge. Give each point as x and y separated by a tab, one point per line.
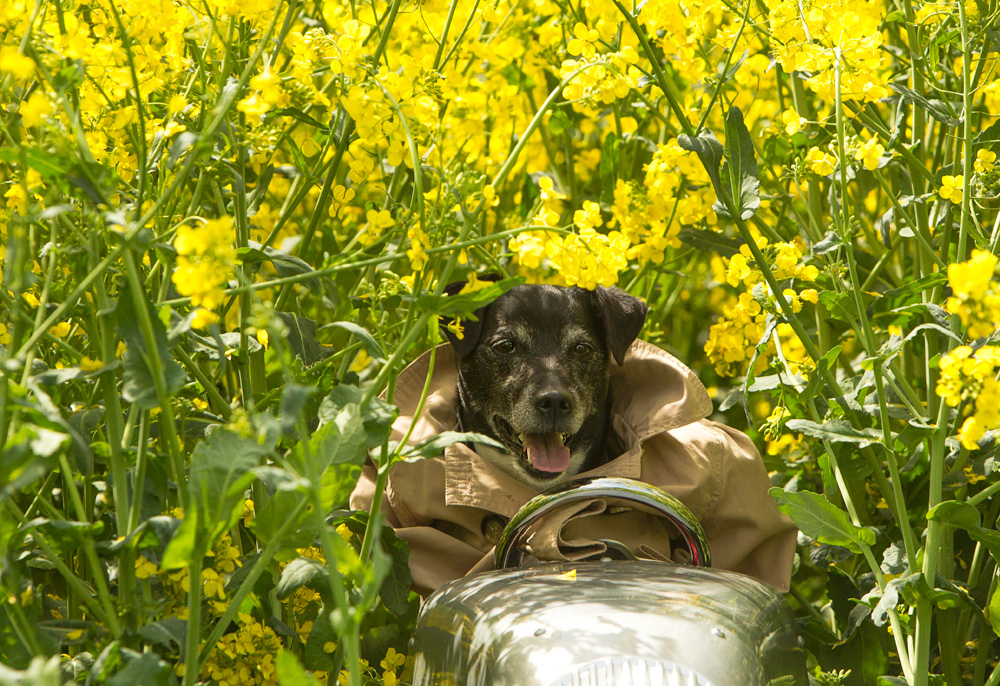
652	392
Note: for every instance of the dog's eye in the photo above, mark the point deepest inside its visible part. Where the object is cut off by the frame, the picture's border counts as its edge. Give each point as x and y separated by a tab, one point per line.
582	349
504	347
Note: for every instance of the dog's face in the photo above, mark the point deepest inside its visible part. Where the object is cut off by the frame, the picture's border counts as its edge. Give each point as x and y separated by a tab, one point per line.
533	375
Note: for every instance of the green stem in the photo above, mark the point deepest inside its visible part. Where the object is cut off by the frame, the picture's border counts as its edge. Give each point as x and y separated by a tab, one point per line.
219	403
89	551
661	78
868	337
193	638
532	125
168	427
84	592
382	475
965	223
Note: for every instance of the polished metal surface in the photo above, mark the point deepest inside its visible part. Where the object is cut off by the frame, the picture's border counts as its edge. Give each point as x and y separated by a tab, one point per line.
510	548
632	672
596	622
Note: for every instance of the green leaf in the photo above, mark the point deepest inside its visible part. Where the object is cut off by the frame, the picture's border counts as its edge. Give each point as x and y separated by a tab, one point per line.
435	445
141	668
297	574
293	400
290	672
169	632
60	376
302	339
362	334
181	144
45	412
965	516
219	475
989	137
827	361
957	514
225	344
894	560
138	386
909	590
610	159
340	441
66	536
559	123
259	192
818	518
839	306
710	152
739	168
275	514
336	485
220	472
395	591
294	113
377	417
41	672
464	304
181	549
44	442
993	611
938	109
910	293
315	654
708	240
285	264
49	166
891	598
836	431
727	75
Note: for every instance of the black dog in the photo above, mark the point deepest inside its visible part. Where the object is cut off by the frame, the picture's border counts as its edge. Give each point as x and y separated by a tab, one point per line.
533	374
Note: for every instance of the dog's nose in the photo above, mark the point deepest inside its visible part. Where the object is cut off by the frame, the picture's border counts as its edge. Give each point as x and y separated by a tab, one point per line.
553	404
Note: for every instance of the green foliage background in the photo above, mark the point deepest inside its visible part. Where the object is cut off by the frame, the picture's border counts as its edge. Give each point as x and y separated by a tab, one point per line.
228	225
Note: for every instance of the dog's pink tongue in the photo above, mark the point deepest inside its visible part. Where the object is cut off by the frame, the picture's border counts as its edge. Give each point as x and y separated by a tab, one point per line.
546	452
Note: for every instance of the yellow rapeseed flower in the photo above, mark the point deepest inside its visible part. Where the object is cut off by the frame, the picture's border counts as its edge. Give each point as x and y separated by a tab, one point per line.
89	365
792	122
205	261
13	62
869	154
985	161
583	41
35	109
819	162
203	318
951	188
60	330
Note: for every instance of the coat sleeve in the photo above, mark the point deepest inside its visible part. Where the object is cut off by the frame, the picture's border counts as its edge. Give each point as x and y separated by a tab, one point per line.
746	531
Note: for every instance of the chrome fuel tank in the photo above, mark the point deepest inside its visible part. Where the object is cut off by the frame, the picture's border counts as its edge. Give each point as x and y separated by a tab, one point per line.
620	623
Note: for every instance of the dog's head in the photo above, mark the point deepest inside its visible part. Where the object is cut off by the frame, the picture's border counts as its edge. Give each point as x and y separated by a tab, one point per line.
533	375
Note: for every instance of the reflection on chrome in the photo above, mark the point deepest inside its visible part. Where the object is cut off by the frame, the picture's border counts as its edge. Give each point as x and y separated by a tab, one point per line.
604	623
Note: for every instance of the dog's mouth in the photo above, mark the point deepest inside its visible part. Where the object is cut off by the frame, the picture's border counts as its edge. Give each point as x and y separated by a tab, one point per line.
547	454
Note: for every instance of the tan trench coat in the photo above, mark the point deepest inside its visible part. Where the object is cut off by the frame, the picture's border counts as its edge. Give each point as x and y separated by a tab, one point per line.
441	506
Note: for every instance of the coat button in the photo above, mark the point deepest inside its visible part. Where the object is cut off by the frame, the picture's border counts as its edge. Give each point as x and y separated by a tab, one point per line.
493	526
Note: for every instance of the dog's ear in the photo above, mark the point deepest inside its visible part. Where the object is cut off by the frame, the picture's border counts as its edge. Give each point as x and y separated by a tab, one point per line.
470	329
623	316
